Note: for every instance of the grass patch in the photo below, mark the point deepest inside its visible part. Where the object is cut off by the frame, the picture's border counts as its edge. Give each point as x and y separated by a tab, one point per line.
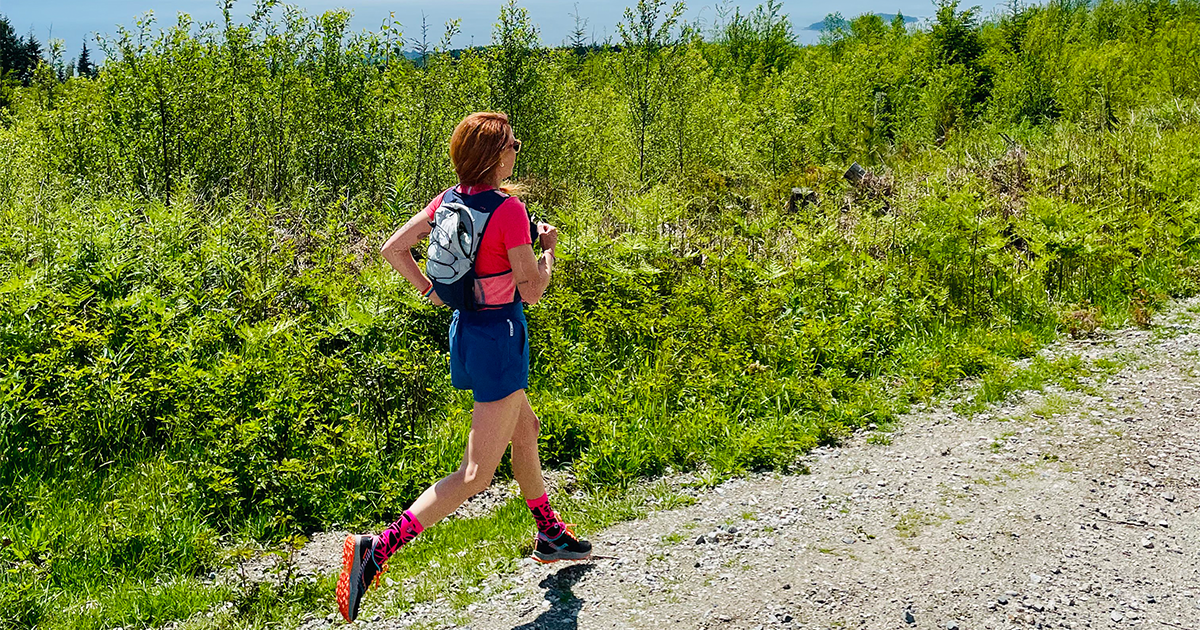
1051	405
1163	333
880	438
1109	365
909	524
1001	441
1000	384
673	538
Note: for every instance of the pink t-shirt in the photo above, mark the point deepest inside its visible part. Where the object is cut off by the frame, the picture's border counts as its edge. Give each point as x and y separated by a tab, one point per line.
508	228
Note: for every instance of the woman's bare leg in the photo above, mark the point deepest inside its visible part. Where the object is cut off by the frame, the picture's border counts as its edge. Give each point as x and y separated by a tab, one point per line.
526	464
492	426
555	541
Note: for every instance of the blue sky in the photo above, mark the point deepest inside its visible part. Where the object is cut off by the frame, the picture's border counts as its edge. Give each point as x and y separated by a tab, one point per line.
73	20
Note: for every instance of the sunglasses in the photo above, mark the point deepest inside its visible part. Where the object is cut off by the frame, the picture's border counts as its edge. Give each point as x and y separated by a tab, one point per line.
516	146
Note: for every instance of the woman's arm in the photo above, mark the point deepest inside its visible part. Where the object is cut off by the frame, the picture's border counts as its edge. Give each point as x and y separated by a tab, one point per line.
532	274
398	252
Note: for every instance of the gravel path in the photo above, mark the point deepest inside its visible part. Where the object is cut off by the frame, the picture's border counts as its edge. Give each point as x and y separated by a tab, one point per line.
1054	510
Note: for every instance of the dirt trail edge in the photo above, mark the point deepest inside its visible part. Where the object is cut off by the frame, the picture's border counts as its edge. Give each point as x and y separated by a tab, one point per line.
1054	510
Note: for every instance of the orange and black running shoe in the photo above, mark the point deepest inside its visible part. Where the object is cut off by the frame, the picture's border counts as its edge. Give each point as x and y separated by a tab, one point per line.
358	571
566	546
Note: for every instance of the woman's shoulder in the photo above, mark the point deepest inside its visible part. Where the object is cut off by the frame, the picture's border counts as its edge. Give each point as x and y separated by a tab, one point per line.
434	203
513	222
512	204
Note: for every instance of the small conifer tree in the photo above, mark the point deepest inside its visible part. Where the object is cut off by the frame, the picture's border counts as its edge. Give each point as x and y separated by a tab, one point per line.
84	67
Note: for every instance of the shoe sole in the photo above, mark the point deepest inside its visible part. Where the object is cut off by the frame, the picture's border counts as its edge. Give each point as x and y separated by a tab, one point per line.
350	551
343	585
562	555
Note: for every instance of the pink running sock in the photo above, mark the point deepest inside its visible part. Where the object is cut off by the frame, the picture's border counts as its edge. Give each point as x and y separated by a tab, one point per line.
396	536
548	521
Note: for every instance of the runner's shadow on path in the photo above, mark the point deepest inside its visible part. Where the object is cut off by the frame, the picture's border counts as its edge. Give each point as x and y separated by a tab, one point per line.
563	613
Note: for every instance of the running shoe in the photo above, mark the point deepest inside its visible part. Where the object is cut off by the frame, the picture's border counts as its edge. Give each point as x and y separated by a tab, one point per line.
358	571
565	547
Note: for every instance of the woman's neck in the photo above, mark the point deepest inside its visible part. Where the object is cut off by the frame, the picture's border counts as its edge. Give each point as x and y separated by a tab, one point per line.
479	187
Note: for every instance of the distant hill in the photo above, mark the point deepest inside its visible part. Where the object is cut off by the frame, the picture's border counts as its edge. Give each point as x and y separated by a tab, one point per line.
887	18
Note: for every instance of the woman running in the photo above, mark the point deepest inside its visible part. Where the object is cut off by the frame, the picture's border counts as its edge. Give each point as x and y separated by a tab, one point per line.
489	354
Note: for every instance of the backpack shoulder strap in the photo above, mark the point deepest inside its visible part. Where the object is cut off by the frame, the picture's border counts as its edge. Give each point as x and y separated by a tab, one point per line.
486	202
451	194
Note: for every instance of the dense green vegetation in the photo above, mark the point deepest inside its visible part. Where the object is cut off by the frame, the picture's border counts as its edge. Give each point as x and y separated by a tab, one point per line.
199	345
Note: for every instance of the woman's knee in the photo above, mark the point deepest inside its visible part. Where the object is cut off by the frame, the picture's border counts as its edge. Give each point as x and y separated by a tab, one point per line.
535	425
528	427
477	478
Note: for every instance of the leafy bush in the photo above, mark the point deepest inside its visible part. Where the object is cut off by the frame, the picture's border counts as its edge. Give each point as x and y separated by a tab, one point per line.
197	341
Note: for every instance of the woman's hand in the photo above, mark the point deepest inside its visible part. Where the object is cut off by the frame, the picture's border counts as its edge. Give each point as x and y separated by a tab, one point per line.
548	236
435	300
532	273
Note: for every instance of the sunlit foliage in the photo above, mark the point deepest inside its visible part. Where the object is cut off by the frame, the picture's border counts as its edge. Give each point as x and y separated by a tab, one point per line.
198	340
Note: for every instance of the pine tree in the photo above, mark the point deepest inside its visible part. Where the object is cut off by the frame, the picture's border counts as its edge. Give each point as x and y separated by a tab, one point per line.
84	67
578	37
30	55
10	47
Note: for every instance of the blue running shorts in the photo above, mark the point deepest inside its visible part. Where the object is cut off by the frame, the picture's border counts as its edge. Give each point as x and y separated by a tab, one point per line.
489	352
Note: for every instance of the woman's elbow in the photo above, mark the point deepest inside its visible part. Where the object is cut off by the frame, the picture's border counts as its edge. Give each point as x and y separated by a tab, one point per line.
390	249
530	295
391	254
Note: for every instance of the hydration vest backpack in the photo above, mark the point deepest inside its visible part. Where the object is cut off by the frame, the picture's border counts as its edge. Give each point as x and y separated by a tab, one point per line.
458	226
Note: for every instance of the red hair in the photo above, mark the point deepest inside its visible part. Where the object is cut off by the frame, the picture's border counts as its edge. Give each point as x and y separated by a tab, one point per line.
477	145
